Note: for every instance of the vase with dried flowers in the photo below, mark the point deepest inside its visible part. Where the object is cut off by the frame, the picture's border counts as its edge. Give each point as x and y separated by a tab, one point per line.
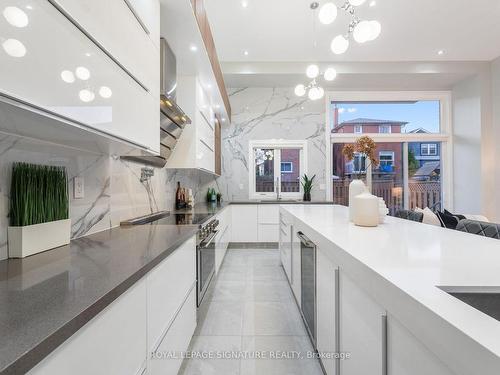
366	147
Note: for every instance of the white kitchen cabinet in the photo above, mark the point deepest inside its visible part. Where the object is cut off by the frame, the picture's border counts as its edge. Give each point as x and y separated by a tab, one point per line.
176	340
113	342
362	330
327	277
54	45
244	226
168	285
406	355
195	148
269	213
268	233
124	38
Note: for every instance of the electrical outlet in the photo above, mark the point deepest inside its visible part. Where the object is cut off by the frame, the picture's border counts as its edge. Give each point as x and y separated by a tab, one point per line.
78	188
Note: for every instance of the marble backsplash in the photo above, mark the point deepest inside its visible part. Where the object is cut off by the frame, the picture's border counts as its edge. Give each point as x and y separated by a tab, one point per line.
113	190
271	113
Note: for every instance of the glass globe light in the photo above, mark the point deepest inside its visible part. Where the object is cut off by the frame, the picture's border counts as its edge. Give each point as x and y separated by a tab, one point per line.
300	90
339	45
327	13
86	96
363	32
376	28
312	71
312	94
357	3
330	74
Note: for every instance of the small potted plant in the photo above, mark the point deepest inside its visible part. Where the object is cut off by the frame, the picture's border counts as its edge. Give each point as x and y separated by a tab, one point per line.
39	209
307	185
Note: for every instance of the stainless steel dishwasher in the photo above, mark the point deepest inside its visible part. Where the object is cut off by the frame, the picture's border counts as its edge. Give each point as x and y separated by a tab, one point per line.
308	284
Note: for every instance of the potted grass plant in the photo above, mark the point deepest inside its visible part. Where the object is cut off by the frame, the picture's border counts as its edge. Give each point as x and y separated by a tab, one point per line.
39	209
307	185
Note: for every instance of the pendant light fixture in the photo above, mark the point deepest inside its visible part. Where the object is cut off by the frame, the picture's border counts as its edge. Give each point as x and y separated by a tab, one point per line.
362	31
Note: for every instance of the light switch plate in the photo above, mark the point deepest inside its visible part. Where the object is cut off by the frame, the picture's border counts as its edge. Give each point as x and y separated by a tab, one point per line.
78	188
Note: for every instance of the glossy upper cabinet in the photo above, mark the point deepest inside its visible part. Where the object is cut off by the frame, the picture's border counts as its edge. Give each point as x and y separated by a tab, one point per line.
121	27
47	62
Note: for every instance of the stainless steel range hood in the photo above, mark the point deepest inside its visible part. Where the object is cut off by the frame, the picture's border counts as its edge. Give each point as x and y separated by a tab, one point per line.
172	117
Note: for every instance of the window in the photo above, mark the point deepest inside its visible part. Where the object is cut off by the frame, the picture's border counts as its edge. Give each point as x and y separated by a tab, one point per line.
384	129
286	167
386	161
411	133
278	165
428	149
358	129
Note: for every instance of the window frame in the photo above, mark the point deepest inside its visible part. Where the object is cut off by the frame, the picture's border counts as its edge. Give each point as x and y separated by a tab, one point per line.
444	137
389	127
275	144
428	153
360	129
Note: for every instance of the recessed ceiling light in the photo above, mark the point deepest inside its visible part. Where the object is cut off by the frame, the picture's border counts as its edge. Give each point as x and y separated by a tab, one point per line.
29	7
440	52
217	106
244	4
105	92
193	48
373	3
88	54
245	53
209	86
86	96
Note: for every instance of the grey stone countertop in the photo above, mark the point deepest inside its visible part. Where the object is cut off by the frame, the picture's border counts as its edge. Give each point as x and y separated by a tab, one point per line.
46	298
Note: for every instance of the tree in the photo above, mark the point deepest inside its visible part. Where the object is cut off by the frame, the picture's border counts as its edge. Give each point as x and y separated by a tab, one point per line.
413	164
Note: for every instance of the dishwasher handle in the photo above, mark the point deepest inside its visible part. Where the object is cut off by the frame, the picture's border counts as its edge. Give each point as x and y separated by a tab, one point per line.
304	240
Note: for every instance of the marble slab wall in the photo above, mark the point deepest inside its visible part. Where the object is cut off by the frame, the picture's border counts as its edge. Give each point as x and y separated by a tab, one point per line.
271	113
113	190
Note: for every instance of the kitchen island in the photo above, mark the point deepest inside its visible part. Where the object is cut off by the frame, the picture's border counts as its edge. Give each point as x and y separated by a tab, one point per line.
382	293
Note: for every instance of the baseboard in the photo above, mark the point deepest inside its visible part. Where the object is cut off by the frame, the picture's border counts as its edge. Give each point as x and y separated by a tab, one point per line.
253	245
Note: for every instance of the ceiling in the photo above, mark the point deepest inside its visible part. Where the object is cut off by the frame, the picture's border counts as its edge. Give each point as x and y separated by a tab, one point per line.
412	30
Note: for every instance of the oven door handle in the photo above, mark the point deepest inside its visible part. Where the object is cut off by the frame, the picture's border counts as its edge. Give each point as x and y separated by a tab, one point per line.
204	245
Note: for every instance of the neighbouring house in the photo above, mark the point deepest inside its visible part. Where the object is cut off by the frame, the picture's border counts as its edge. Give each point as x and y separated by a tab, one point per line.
425	152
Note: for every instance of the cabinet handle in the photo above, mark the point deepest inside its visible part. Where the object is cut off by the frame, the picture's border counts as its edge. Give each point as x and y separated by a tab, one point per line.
337	319
384	344
291	254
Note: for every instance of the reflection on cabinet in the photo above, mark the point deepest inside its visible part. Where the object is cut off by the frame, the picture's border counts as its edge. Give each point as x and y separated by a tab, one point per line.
405	351
296	265
285	247
196	147
70	76
124	38
362	331
327	274
113	342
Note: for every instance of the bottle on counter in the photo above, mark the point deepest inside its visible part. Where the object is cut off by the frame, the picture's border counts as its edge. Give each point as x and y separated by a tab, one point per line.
180	197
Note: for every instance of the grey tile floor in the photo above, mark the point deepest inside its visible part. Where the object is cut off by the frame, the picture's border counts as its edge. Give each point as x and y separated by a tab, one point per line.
251	312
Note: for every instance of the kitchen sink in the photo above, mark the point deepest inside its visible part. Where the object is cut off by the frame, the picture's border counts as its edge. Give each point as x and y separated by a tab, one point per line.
488	303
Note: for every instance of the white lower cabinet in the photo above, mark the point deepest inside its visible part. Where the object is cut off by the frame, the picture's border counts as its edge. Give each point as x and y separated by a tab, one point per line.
327	276
113	342
166	359
406	355
168	285
362	330
244	223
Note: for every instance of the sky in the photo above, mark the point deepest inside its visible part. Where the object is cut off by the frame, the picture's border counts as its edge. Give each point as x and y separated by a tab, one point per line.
422	114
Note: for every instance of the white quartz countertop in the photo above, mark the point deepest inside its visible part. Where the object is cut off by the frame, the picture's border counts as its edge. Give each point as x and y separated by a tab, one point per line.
418	259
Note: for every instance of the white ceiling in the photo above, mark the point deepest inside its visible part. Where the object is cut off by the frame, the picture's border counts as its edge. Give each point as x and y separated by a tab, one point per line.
412	30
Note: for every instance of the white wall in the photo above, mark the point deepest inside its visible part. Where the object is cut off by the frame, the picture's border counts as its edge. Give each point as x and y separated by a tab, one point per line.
467	146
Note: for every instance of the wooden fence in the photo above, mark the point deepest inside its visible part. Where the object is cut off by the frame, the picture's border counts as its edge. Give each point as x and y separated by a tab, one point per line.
421	193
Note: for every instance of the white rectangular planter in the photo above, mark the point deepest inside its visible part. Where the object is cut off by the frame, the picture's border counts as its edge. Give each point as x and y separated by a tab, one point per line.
33	239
